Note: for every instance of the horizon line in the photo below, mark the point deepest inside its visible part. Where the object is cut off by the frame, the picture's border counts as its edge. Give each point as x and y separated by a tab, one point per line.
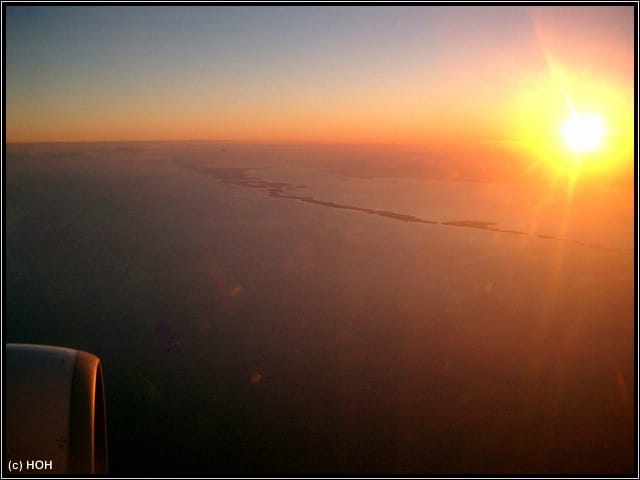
233	141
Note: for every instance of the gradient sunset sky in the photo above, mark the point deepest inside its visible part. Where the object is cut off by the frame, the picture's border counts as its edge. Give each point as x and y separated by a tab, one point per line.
446	75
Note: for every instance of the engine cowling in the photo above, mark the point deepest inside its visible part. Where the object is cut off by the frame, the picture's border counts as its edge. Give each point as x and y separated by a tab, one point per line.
55	416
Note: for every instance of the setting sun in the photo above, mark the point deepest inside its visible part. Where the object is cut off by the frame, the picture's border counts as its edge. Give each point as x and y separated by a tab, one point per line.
583	132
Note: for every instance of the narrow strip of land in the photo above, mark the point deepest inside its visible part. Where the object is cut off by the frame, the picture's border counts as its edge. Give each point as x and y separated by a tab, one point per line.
238	176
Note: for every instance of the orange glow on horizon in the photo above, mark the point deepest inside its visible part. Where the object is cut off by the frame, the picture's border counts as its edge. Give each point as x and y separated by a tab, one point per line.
490	104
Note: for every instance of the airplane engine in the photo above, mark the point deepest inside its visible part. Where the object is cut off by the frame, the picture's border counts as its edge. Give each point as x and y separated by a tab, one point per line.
55	419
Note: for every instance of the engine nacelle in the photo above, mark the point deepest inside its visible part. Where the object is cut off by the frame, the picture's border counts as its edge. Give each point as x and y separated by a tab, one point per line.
55	419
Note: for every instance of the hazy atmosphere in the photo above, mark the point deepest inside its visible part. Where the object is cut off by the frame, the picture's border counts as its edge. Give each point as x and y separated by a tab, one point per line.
314	240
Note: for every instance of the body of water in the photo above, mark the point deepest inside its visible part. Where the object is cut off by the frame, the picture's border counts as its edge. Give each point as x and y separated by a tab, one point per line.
260	310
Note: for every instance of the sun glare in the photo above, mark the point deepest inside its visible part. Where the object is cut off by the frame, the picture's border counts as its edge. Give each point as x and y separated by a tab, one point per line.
583	132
